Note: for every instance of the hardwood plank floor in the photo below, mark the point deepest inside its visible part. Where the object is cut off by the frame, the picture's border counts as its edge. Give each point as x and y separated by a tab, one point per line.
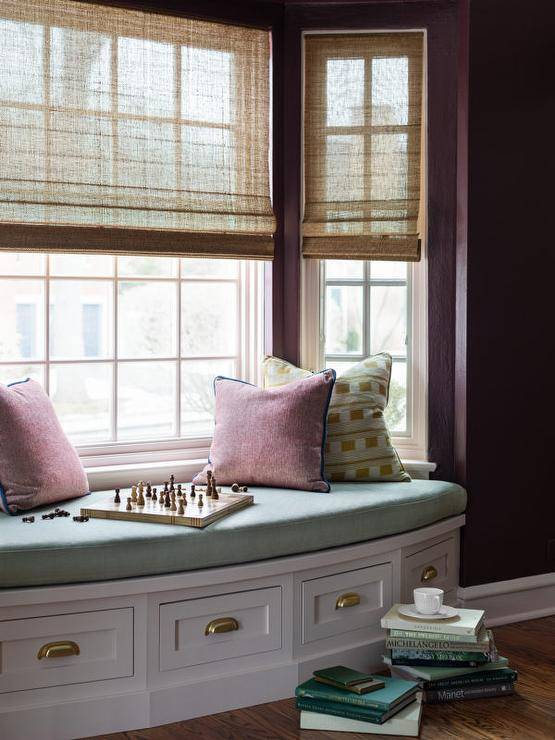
527	715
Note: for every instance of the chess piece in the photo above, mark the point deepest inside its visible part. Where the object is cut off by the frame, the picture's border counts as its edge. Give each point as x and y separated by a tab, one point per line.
133	493
244	489
28	519
140	488
235	488
81	518
181	509
208	483
215	495
167	502
193	494
200	501
172	480
148	490
129	507
117	499
173	507
179	491
141	498
154	496
166	489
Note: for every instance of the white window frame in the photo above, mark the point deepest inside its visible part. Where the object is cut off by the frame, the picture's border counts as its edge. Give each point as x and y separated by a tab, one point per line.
114	463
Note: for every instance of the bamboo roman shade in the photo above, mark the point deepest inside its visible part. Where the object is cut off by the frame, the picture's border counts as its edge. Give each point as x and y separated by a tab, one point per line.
128	131
362	145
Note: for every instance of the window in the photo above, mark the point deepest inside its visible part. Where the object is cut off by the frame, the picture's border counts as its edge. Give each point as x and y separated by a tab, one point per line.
127	347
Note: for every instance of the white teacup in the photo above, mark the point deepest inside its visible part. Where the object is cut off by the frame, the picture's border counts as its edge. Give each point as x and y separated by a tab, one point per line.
428	600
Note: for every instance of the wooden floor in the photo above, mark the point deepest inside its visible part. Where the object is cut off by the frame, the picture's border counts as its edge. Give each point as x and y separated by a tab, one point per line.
527	715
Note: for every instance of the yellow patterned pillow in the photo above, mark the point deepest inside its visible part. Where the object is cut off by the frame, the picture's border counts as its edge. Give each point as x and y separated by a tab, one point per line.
358	444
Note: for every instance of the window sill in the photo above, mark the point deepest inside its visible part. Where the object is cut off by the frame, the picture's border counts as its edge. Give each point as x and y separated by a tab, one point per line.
105	477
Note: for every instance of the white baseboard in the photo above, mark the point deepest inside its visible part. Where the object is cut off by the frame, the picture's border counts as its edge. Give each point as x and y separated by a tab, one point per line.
512	601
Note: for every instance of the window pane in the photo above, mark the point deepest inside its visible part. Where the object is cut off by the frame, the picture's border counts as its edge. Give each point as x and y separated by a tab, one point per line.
147	319
344	269
345	168
22	263
388	319
81	319
201	268
344	316
206	158
80	69
396	411
389	169
197	394
384	270
209	319
390	91
9	373
345	92
340	367
22	319
146	151
206	89
86	265
146	77
21	49
146	400
147	267
82	394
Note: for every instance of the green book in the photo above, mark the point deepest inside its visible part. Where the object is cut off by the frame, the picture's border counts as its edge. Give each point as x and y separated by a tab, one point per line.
433	673
427	641
413	634
349	680
382	700
405	723
351	711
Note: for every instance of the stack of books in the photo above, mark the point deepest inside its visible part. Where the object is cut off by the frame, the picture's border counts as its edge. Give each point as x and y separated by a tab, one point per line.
449	659
345	700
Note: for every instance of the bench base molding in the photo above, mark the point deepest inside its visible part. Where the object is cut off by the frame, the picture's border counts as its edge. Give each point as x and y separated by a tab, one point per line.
151	649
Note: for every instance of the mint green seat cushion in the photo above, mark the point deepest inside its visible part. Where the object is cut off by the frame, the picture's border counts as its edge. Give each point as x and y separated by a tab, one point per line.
281	522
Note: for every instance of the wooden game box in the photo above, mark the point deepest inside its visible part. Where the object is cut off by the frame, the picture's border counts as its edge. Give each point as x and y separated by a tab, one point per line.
194	516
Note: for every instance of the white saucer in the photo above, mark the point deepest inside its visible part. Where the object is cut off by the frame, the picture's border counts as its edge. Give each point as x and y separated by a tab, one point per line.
409	610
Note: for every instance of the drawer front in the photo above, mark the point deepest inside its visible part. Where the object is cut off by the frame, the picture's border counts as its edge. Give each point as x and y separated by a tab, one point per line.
74	648
434	566
333	605
219	627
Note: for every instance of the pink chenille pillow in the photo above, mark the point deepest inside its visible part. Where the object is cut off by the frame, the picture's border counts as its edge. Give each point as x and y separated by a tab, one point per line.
38	465
271	437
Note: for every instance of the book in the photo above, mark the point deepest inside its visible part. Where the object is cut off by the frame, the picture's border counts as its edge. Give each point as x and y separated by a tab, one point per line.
427	641
351	711
467	622
487	691
439	658
433	673
474	679
382	700
413	634
349	680
406	723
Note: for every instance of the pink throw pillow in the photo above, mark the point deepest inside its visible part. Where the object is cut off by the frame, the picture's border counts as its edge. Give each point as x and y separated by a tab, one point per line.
38	465
271	437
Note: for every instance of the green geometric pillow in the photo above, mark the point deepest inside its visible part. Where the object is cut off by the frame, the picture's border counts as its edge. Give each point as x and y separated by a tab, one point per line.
358	446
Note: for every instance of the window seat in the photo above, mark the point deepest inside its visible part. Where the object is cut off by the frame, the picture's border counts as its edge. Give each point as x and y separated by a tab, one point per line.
281	522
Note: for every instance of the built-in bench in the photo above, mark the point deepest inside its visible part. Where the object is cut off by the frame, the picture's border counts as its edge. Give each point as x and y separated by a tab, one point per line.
127	615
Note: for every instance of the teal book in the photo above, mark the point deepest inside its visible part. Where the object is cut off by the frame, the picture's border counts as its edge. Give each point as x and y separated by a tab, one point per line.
442	658
481	678
351	711
434	673
382	700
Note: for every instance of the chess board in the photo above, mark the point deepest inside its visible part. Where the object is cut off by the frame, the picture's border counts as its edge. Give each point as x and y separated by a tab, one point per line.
194	516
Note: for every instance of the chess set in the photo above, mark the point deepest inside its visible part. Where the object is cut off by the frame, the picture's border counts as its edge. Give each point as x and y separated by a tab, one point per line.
198	507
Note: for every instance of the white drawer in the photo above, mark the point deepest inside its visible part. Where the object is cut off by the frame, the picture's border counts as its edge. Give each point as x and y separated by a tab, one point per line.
102	639
251	620
435	566
339	603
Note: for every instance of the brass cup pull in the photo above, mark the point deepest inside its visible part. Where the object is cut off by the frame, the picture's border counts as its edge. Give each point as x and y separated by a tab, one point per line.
223	624
58	649
428	574
346	600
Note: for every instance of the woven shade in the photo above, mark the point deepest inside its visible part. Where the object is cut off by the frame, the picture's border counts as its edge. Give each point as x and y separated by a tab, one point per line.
130	132
363	111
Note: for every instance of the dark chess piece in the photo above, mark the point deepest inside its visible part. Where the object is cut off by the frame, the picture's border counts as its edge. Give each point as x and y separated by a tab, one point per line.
129	507
244	489
200	501
235	487
81	518
193	494
172	480
208	483
179	491
166	489
148	490
154	496
117	499
28	519
167	502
